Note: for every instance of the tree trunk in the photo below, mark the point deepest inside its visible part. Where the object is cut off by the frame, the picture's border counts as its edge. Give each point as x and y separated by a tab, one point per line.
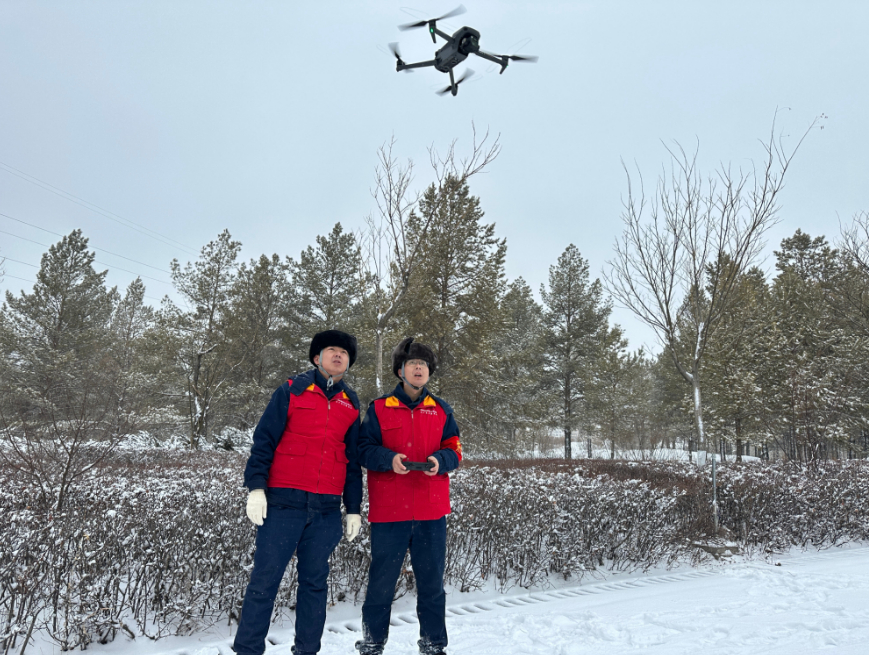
698	410
738	440
567	390
378	359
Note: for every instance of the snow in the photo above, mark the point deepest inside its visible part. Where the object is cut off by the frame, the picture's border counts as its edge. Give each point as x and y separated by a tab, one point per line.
794	604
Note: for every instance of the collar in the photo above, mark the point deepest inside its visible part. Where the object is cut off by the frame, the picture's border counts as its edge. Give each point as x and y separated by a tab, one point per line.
304	380
399	393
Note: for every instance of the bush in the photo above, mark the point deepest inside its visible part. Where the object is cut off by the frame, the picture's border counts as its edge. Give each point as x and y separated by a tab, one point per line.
157	543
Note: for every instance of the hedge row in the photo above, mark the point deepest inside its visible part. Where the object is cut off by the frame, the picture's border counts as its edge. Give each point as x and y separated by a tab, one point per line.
156	543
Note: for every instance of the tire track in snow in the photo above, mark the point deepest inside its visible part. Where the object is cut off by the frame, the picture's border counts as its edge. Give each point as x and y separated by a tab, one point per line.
285	637
532	598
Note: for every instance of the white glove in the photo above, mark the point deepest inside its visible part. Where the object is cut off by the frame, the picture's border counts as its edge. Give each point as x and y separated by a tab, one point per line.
257	506
352	525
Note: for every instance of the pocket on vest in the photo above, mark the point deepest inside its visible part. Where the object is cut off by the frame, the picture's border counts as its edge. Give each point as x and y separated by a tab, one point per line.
289	461
439	489
394	439
381	488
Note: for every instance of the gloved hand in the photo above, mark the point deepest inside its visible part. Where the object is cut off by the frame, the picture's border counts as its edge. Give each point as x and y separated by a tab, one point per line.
352	525
257	506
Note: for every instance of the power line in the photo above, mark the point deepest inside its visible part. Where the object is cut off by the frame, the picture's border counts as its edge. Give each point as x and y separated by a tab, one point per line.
109	252
9	259
96	261
19	278
117	218
23	239
5	275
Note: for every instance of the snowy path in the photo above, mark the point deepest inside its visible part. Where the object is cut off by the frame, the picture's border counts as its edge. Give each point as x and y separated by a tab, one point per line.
812	602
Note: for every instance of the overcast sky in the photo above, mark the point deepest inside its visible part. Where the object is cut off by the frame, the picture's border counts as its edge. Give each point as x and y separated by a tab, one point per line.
265	118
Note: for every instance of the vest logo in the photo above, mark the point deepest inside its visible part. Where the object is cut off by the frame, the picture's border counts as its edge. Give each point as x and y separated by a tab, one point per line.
428	412
344	403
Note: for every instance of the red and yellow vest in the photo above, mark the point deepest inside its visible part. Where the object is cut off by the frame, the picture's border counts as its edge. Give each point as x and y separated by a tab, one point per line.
311	454
417	433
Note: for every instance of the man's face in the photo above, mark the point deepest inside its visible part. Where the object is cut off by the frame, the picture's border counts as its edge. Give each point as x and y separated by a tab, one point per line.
334	360
416	372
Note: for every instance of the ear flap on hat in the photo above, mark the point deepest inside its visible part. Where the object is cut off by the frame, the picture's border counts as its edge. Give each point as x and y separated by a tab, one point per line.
399	354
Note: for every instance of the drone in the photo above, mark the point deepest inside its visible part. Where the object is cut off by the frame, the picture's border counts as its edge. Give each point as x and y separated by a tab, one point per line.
464	42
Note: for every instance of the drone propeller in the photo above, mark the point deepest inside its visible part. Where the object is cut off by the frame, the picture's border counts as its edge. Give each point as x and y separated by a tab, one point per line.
506	59
466	75
393	47
431	21
529	58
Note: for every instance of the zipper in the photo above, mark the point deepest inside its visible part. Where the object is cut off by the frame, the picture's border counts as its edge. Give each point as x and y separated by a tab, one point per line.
412	486
325	438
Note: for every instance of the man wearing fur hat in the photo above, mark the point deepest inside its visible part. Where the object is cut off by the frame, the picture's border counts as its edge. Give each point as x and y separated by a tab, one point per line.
302	460
404	431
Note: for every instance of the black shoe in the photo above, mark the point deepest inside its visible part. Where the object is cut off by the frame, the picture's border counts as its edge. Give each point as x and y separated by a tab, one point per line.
369	649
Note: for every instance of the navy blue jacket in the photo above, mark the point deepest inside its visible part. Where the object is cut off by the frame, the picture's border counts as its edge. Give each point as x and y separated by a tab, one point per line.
271	426
374	456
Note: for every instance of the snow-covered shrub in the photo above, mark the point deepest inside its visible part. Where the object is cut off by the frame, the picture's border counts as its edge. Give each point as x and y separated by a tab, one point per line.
156	542
782	505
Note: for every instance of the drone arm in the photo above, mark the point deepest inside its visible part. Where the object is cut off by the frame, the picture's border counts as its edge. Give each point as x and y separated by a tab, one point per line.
498	59
434	30
419	64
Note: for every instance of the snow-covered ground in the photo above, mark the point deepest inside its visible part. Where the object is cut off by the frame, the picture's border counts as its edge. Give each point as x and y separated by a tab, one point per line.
795	604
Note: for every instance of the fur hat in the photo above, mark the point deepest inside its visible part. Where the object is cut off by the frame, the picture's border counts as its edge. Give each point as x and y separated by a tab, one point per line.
337	338
407	349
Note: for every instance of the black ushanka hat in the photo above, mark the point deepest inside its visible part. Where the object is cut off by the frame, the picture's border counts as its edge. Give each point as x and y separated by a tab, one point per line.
408	349
336	338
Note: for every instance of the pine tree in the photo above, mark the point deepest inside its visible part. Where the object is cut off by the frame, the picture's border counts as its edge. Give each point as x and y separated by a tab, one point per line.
814	359
327	282
518	392
64	397
454	302
733	369
619	398
260	300
576	318
198	342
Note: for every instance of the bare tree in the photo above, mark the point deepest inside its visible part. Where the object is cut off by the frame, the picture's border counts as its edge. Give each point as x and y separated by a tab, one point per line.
677	269
389	249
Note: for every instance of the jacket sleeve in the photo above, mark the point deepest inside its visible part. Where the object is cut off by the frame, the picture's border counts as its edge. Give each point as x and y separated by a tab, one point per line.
373	455
266	437
450	453
353	482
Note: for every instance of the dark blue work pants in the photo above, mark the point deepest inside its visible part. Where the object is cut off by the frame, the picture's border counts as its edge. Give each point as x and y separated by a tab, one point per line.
427	542
308	524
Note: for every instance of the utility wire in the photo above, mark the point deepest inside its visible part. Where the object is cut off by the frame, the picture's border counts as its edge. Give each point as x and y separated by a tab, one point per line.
118	268
19	278
94	208
23	239
9	259
109	252
34	281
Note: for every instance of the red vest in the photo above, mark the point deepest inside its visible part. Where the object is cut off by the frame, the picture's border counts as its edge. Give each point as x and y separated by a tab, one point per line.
417	433
311	453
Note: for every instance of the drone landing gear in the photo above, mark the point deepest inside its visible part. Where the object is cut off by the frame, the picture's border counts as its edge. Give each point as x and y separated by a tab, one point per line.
454	84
